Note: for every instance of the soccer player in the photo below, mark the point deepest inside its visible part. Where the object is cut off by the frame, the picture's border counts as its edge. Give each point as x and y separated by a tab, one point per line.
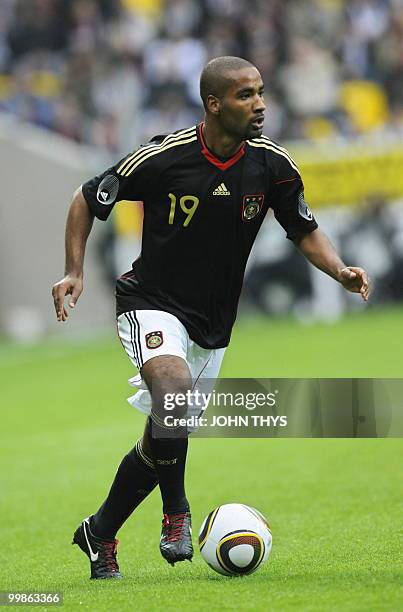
206	190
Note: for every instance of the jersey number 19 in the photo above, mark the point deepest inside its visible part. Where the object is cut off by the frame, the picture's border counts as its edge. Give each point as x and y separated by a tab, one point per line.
188	210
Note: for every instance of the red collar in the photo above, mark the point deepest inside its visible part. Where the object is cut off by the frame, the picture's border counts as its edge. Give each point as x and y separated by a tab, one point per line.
223	165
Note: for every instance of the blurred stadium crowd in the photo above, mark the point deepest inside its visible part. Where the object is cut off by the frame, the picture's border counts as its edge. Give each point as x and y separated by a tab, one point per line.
113	73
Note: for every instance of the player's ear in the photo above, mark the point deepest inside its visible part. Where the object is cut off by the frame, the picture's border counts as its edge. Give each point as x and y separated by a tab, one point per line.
213	105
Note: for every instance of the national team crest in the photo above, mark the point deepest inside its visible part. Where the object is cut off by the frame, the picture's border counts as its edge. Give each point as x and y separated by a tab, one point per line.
154	339
251	206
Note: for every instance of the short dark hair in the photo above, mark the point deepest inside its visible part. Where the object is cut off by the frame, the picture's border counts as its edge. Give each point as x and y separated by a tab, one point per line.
213	79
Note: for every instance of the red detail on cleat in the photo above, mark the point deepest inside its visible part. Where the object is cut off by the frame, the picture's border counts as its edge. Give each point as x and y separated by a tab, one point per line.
175	524
109	553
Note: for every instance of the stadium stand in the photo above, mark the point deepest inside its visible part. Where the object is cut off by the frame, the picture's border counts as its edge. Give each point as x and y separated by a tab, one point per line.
112	73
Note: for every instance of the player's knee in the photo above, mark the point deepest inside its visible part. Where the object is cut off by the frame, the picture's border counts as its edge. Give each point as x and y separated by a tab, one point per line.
171	398
169	380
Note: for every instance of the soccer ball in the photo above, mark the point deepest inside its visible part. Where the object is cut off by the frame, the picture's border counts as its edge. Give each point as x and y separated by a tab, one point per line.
235	539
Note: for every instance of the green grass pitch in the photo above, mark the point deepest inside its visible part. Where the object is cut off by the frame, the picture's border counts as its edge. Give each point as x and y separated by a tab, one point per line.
334	505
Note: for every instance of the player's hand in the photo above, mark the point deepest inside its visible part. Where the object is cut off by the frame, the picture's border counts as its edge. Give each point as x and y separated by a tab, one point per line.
69	285
355	280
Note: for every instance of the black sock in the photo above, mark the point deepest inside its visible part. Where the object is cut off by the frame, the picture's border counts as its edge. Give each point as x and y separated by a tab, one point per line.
134	480
169	456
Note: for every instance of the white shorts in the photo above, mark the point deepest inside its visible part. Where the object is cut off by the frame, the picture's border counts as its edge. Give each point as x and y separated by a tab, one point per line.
149	333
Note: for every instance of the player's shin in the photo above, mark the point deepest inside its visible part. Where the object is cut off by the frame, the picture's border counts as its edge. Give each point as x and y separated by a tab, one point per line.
134	481
169	450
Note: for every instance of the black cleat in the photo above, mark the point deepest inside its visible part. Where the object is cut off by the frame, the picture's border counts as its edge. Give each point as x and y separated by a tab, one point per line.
101	553
176	537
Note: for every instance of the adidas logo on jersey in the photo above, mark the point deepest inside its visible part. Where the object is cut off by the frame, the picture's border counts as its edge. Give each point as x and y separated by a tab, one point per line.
221	190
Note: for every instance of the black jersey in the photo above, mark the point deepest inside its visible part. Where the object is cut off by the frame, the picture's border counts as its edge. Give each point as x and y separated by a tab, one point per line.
201	217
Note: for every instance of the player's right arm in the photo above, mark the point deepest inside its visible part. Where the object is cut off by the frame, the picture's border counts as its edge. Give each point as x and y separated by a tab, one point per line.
78	227
129	179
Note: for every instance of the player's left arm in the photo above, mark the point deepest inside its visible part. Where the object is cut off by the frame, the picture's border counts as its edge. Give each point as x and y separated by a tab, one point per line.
318	249
293	213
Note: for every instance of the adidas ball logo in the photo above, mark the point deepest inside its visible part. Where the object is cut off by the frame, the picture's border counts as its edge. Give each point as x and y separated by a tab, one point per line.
221	190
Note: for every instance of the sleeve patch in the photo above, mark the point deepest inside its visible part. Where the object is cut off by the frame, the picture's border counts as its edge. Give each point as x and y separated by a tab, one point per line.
108	190
303	207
